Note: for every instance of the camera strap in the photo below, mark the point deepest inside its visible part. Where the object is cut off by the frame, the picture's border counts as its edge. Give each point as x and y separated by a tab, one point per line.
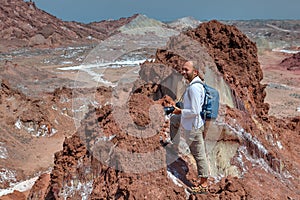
181	98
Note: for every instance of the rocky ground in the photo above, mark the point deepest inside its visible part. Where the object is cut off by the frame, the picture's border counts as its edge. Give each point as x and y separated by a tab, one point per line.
254	149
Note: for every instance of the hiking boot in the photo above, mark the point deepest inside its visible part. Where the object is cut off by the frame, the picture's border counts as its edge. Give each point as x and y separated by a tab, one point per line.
198	190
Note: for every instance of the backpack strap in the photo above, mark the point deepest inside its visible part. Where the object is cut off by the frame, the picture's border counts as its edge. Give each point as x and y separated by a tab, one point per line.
197	82
194	83
204	100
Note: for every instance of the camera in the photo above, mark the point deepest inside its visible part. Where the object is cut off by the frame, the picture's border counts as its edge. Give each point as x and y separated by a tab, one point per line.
170	109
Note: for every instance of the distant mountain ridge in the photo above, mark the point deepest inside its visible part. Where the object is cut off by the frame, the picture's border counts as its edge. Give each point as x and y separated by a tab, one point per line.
24	25
141	24
184	23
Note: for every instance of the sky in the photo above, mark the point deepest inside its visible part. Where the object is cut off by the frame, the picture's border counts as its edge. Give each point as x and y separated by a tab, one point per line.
168	10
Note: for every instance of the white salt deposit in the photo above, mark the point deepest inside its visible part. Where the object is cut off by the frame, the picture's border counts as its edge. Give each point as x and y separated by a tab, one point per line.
18	124
84	189
20	186
286	51
3	151
247	136
105	138
7	175
174	179
279	145
116	64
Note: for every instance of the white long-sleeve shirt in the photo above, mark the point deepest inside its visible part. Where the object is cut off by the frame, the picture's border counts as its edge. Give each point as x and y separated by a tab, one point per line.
193	99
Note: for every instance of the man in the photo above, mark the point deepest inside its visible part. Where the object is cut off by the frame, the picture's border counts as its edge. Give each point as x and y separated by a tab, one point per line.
192	123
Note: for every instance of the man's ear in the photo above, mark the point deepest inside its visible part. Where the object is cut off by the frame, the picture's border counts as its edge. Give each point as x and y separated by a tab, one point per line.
196	72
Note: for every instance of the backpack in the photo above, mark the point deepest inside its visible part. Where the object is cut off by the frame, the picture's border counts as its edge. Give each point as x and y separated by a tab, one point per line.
210	107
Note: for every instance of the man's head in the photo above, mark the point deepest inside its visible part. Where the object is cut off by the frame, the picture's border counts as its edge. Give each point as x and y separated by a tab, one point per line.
189	71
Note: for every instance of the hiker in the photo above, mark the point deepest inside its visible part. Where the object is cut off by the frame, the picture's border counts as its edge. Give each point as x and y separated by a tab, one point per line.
193	125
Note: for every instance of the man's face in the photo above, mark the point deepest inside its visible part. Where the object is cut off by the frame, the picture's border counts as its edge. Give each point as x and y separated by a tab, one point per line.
188	71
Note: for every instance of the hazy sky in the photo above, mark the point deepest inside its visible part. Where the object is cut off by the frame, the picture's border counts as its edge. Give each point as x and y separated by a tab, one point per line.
168	10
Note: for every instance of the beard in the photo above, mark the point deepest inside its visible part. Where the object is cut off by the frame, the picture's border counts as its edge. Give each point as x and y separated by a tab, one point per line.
189	76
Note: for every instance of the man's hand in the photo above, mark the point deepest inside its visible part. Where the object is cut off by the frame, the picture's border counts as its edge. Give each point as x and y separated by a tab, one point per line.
177	111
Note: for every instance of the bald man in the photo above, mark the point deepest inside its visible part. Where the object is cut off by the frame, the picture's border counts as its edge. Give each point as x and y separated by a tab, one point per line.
193	125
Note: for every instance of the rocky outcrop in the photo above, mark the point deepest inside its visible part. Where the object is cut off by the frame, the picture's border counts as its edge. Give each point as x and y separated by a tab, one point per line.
90	167
117	151
236	58
26	123
292	63
33	129
14	195
39	189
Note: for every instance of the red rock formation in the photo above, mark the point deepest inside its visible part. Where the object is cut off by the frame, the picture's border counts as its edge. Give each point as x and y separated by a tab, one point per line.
15	195
40	187
268	147
236	58
292	63
76	164
99	161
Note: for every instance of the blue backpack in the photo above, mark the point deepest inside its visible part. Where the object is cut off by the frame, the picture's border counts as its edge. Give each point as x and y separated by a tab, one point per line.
210	107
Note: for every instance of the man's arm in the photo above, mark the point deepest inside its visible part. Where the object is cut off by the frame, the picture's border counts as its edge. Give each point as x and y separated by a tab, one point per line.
196	98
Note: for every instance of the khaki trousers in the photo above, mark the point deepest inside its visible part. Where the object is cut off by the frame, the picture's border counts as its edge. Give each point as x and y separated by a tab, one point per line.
195	141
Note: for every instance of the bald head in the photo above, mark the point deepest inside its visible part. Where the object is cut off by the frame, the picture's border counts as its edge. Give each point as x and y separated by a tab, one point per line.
189	71
189	64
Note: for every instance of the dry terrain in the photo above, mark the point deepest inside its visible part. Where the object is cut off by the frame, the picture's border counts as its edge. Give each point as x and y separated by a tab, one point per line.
283	91
40	106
